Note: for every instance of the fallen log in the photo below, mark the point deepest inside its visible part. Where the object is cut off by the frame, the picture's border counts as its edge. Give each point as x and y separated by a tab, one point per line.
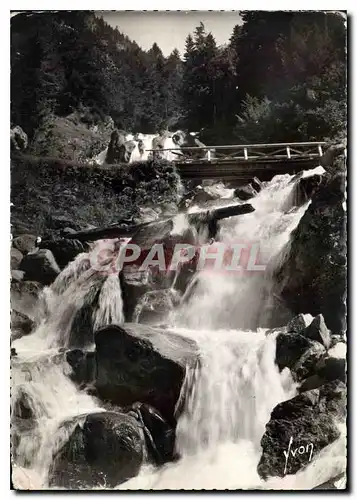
163	226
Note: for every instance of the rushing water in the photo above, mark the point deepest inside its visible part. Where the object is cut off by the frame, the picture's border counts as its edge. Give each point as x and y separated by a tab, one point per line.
226	399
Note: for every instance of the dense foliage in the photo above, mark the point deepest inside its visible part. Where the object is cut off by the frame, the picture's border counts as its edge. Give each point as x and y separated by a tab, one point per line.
282	76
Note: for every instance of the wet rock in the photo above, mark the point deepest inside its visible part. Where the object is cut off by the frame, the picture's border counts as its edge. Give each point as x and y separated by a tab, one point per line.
83	366
318	331
140	363
23	406
40	266
15	258
103	451
26	243
257	184
313	276
299	323
245	192
159	435
298	353
307	423
21	324
306	365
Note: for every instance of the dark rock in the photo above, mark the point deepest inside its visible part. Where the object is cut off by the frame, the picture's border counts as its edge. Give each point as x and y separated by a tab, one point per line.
140	363
159	435
20	324
105	451
298	324
289	349
331	368
312	382
40	266
318	331
26	243
245	192
308	419
17	275
257	184
83	366
313	278
306	365
24	406
13	352
15	258
64	250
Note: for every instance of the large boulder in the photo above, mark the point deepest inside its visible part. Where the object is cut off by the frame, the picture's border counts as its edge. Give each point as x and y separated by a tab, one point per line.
40	266
300	428
245	192
298	353
103	451
24	297
140	363
64	250
313	277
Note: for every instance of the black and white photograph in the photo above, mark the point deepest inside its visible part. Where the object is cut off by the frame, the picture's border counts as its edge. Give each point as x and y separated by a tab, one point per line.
178	250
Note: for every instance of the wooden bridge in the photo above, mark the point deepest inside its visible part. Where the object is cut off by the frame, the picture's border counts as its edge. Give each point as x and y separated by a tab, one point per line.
242	162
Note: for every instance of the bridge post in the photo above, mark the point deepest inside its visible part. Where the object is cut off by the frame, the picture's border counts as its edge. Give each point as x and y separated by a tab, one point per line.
288	152
320	149
209	155
245	154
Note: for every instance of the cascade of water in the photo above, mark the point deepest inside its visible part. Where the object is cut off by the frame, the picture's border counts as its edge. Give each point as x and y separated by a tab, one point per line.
226	399
243	298
40	373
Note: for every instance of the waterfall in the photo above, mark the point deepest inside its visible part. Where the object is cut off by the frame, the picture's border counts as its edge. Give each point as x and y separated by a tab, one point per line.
226	398
243	299
40	373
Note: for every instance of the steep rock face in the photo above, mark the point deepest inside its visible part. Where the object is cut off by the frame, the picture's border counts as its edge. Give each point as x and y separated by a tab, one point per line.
313	277
139	363
306	423
106	450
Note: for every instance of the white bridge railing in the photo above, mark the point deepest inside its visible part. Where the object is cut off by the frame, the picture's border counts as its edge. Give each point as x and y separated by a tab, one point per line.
244	152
